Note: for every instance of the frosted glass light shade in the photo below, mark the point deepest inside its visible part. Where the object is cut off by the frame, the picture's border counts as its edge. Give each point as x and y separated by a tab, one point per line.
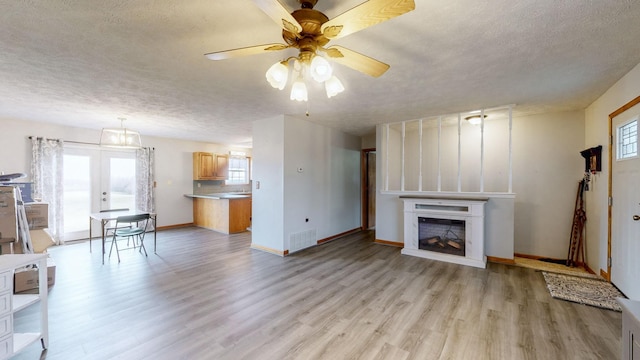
333	86
120	138
475	119
320	69
299	91
277	75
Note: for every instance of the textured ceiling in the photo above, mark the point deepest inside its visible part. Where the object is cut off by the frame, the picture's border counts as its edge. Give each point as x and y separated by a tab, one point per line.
86	63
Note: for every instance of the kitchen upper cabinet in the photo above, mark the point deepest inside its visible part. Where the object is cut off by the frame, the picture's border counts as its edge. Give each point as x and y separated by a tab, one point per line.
222	166
209	166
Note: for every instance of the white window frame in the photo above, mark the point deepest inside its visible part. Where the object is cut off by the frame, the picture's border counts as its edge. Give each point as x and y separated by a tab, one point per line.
233	169
631	139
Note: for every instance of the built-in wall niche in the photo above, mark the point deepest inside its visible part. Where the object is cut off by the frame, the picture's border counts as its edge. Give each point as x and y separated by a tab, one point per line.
449	153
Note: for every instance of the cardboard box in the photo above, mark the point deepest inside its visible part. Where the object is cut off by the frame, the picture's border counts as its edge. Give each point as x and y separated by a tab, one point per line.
25	190
37	215
26	279
41	240
7	247
8	214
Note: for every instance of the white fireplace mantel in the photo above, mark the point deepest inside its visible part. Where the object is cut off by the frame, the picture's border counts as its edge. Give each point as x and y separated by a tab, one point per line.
471	211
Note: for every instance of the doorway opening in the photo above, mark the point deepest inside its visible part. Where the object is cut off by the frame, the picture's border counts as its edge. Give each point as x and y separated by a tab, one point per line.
368	186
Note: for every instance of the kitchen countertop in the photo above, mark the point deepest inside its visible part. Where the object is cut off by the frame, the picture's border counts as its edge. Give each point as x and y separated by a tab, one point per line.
221	196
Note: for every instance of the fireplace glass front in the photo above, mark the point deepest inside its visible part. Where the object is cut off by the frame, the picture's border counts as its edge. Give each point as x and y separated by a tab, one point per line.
441	235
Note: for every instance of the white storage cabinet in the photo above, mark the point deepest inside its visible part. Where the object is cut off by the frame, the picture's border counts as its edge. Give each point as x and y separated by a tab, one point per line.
10	303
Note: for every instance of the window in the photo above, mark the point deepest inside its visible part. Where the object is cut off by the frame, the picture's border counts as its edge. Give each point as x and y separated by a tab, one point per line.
238	168
628	140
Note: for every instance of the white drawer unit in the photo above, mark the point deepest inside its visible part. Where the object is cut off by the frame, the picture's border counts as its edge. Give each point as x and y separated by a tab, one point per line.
5	302
10	303
630	329
6	281
6	347
6	325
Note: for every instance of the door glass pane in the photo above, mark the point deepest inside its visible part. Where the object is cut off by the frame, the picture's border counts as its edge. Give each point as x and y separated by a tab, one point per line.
77	191
628	140
122	183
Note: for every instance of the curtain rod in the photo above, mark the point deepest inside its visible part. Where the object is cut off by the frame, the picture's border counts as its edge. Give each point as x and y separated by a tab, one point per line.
68	141
78	142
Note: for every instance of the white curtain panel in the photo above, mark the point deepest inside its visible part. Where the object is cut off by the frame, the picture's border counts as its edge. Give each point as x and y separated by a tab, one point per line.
145	191
46	174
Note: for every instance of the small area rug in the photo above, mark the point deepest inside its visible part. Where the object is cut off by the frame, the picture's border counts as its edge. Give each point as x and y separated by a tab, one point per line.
582	290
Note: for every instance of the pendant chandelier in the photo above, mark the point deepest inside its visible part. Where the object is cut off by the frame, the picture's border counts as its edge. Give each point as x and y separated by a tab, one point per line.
120	137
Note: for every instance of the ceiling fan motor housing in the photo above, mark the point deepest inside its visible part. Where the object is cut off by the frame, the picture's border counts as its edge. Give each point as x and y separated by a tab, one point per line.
311	22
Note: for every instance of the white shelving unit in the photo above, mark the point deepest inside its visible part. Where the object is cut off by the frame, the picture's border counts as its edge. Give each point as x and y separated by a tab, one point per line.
10	303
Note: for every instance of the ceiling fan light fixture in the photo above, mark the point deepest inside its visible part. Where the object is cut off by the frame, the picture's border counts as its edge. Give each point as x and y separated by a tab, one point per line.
278	74
320	69
299	91
333	86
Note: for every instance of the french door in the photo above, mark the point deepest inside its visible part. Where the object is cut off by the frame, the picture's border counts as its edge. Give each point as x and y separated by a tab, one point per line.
94	180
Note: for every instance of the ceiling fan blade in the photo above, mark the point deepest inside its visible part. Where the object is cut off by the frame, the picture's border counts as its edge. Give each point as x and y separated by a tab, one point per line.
251	50
364	15
357	61
279	14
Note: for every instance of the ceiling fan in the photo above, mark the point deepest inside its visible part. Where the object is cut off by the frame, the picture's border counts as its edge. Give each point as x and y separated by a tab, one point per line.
309	31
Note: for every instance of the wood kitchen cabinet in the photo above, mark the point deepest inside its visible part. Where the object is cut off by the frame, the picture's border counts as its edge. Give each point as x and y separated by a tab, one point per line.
209	166
227	216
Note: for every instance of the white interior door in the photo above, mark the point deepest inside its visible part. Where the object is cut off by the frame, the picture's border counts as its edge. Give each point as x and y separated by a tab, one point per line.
94	180
625	209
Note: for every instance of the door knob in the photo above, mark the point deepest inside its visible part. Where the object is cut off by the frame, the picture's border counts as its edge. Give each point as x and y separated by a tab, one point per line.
104	199
104	193
636	217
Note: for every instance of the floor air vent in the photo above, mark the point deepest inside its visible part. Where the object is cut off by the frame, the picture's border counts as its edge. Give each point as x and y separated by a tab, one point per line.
302	240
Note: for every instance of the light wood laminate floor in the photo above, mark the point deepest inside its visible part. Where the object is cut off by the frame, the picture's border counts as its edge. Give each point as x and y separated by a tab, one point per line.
209	296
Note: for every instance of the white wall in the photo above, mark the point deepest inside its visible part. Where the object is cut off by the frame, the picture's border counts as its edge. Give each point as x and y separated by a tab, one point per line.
315	170
546	168
327	191
267	218
596	133
174	162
